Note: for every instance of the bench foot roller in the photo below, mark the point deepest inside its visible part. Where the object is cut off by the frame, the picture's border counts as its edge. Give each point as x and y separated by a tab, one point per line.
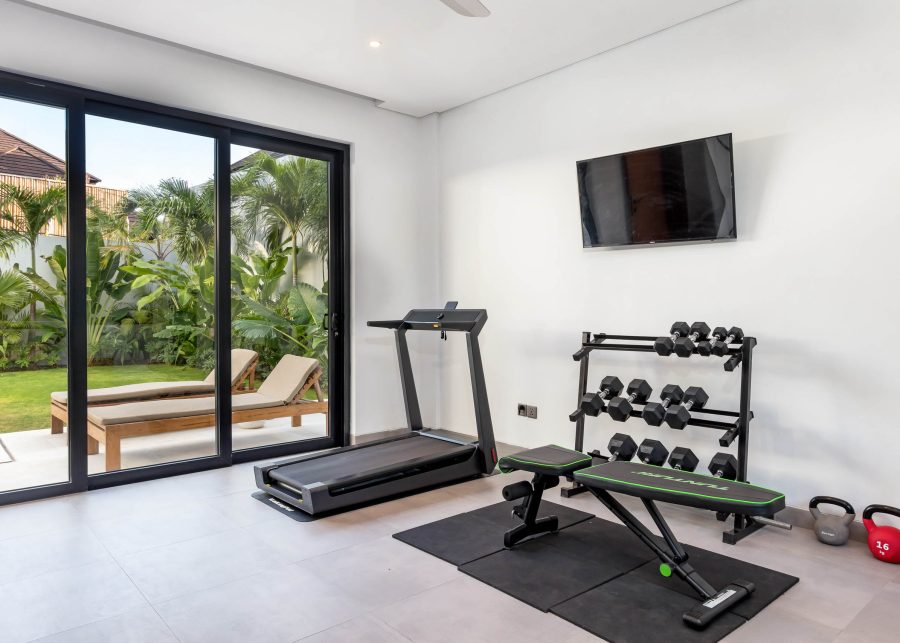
528	509
547	464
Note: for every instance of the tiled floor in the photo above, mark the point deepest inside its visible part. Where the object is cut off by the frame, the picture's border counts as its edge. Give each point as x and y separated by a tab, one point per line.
195	558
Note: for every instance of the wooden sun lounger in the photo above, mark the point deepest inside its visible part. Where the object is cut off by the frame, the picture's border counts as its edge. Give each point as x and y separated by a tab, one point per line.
244	381
261	405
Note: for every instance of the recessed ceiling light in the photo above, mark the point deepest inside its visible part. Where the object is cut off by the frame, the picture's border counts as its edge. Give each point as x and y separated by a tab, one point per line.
374	44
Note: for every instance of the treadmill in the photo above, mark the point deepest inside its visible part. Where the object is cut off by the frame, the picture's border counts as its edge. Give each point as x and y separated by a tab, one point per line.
416	460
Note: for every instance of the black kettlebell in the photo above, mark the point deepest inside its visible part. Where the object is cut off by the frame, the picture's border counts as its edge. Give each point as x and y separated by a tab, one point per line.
832	529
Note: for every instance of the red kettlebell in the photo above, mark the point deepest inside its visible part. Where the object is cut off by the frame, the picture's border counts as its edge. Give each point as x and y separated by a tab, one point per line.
884	540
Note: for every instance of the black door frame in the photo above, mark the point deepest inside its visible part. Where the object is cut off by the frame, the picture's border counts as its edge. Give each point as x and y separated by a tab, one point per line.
78	103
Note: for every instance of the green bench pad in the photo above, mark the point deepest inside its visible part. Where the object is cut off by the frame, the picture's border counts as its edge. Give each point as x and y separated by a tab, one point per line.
682	488
551	460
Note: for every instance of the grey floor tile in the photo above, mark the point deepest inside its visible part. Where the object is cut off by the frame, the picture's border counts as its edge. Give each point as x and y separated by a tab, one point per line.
64	599
295	541
40	515
241	508
467	610
363	629
280	605
159	526
879	621
172	570
31	555
381	572
774	624
141	625
419	509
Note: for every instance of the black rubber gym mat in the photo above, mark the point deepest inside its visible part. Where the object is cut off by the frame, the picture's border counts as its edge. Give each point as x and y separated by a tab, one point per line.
466	537
594	573
720	570
554	568
630	610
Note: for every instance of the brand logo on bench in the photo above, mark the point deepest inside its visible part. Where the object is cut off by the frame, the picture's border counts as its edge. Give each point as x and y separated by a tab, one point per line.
696	483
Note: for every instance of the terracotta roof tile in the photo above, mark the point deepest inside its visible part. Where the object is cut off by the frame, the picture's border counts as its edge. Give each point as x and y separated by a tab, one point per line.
20	158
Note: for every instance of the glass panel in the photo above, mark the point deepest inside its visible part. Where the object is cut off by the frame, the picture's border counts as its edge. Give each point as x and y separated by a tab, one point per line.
33	310
279	268
150	256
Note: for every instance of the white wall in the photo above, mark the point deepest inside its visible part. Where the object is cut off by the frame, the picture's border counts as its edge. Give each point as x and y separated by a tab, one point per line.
393	245
811	91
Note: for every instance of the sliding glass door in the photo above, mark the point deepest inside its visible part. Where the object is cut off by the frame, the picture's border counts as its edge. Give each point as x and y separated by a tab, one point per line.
34	316
279	294
172	291
150	294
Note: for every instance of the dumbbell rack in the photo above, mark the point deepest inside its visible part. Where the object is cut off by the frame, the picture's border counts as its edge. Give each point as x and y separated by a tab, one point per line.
737	429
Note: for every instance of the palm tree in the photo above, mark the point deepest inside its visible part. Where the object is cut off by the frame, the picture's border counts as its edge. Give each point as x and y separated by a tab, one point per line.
36	210
287	199
173	211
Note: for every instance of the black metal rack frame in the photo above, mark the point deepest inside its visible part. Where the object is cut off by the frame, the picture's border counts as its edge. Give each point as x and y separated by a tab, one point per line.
737	429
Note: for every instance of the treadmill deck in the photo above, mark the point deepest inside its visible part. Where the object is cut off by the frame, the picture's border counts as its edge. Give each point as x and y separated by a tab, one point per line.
413	450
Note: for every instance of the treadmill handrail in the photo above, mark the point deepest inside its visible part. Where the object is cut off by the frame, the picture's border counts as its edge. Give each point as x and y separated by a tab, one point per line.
388	323
396	324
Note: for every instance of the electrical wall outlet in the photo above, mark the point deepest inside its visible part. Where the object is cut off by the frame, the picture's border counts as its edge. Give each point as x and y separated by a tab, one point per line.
523	410
531	412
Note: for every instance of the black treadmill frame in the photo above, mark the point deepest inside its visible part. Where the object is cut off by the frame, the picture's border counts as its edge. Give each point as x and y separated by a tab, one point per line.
415	474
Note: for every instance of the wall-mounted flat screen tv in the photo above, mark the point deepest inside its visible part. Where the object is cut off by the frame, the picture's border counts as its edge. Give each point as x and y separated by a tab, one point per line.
680	192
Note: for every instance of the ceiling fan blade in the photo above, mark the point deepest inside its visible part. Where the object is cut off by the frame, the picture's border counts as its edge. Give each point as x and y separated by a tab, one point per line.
468	8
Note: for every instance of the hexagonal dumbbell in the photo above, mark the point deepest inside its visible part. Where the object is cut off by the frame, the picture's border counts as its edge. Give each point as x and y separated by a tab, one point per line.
620	407
665	345
593	403
735	336
705	347
678	416
683	459
622	447
684	346
655	412
652	452
724	465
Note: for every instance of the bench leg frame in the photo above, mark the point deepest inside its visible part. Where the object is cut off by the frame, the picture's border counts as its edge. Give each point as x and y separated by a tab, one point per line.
715	602
528	510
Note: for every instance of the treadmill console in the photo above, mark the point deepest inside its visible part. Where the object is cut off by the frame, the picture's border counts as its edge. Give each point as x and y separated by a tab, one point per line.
439	319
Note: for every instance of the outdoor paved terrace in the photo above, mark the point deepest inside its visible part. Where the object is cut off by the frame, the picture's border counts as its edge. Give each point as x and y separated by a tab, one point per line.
31	458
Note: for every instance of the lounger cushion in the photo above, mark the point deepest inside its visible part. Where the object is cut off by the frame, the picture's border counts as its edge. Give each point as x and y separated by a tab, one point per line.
241	359
176	408
288	377
142	391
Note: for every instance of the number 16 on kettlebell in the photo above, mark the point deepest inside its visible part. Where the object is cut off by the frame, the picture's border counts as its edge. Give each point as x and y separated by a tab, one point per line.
884	540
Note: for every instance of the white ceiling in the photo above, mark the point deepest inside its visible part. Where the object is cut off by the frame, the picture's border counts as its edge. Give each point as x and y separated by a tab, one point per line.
431	60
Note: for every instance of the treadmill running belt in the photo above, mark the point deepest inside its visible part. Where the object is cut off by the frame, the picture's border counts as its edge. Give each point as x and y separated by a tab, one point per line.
359	461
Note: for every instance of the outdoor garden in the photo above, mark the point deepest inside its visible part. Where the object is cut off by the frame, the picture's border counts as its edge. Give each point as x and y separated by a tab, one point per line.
150	278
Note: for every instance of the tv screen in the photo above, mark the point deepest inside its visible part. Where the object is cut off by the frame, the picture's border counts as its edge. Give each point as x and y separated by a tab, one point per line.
680	192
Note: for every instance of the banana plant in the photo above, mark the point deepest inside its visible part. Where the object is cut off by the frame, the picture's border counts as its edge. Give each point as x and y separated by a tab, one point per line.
296	321
179	300
14	298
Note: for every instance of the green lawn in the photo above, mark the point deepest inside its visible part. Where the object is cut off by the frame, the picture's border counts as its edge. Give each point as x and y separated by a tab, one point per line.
25	395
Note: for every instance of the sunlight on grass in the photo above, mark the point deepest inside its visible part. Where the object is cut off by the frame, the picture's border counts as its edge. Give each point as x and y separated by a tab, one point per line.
25	395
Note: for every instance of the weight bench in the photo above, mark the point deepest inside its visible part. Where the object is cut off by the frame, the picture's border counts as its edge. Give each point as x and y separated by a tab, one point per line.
649	483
